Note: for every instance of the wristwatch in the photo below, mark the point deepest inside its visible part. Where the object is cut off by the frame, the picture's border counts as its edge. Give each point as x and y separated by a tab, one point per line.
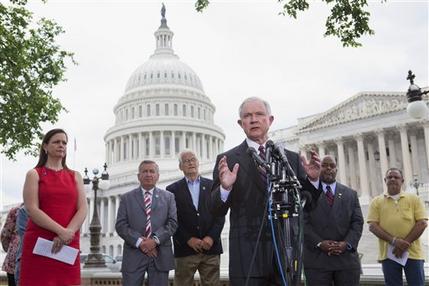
319	244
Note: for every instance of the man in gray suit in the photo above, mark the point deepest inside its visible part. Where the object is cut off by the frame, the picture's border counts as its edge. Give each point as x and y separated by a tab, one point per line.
146	221
332	232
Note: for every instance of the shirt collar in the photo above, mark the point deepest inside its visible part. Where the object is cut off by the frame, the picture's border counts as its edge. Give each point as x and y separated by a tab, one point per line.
395	197
197	180
253	144
333	186
144	190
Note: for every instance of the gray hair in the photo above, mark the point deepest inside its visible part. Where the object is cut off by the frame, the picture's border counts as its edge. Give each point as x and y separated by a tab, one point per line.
183	152
254	98
147	162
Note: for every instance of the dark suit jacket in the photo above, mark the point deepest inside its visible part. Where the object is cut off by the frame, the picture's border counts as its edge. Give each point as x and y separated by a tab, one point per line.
341	222
192	222
131	224
247	203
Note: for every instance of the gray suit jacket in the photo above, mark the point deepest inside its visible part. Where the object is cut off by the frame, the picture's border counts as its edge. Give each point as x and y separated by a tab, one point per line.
131	223
341	222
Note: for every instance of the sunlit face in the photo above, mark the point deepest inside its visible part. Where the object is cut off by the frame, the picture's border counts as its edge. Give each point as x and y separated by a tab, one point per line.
394	181
57	146
189	164
328	170
255	121
148	176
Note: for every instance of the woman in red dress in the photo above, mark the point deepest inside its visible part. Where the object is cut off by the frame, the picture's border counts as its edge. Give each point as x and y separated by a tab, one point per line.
55	200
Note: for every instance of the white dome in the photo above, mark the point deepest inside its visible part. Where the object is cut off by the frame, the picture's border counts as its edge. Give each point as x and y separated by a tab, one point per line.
163	69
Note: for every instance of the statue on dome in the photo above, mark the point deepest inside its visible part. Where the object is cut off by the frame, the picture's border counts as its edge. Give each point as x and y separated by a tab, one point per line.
163	10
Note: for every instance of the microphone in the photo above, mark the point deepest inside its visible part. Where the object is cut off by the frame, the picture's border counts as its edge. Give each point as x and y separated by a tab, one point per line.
306	198
252	152
278	150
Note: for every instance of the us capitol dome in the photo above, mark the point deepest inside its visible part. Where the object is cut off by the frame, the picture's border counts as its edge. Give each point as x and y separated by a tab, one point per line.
163	111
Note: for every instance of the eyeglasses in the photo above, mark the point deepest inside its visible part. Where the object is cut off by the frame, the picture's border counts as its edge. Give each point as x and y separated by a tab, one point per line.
191	160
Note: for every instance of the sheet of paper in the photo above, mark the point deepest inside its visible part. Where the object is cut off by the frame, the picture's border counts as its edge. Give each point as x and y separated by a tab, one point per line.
67	254
401	260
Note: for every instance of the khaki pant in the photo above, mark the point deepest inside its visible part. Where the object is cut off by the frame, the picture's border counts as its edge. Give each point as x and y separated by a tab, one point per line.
207	266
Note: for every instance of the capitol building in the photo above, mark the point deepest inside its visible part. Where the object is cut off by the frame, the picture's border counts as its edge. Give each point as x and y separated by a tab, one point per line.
163	111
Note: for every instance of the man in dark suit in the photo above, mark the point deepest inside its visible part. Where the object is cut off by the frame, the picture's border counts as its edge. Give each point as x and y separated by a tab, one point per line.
197	244
239	186
146	221
332	232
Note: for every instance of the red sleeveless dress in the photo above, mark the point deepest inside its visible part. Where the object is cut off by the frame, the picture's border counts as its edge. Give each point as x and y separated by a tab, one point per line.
58	197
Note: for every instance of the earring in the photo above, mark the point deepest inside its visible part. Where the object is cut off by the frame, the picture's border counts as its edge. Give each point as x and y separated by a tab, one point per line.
46	152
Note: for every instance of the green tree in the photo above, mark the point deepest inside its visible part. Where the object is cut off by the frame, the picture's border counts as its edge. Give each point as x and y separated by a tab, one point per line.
31	64
348	19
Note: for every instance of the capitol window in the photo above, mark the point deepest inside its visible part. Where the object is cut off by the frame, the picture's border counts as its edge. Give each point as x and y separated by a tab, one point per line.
166	109
175	110
140	111
148	110
157	109
184	110
192	111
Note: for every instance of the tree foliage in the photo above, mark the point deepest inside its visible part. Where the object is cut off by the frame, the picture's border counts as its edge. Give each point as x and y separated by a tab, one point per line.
348	19
31	64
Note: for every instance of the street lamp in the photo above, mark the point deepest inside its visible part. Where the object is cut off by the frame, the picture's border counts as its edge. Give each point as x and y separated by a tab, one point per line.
416	108
95	258
416	184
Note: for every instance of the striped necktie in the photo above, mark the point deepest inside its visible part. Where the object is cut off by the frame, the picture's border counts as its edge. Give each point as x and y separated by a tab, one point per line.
262	171
148	205
329	195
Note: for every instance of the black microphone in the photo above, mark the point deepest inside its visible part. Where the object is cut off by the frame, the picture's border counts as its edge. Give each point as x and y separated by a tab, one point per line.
278	150
252	152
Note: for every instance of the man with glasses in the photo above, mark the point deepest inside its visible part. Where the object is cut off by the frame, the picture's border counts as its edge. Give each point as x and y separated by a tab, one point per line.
398	219
197	244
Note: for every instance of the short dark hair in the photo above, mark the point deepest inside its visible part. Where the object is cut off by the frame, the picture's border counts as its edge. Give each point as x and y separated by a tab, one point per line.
43	156
394	169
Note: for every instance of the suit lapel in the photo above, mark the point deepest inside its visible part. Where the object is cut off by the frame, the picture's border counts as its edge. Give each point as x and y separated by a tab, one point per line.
338	201
203	192
155	199
186	193
138	195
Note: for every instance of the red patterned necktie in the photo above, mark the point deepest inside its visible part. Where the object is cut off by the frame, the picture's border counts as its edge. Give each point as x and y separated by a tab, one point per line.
262	171
148	204
329	196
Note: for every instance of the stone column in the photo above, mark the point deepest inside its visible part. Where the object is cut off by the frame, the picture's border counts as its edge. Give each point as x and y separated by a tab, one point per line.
414	153
352	168
204	148
372	165
116	208
141	146
211	153
392	152
110	218
151	145
426	131
121	148
107	151
173	144
322	149
363	174
341	161
183	147
406	160
383	155
130	147
102	218
194	143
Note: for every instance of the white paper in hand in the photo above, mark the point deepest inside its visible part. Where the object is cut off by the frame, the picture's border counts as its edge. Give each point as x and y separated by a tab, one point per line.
401	260
67	254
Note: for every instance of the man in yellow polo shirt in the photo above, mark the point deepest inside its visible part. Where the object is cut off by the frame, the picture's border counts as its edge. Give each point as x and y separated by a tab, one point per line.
398	219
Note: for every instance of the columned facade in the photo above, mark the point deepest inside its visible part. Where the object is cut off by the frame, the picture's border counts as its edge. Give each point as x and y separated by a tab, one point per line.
163	111
367	134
